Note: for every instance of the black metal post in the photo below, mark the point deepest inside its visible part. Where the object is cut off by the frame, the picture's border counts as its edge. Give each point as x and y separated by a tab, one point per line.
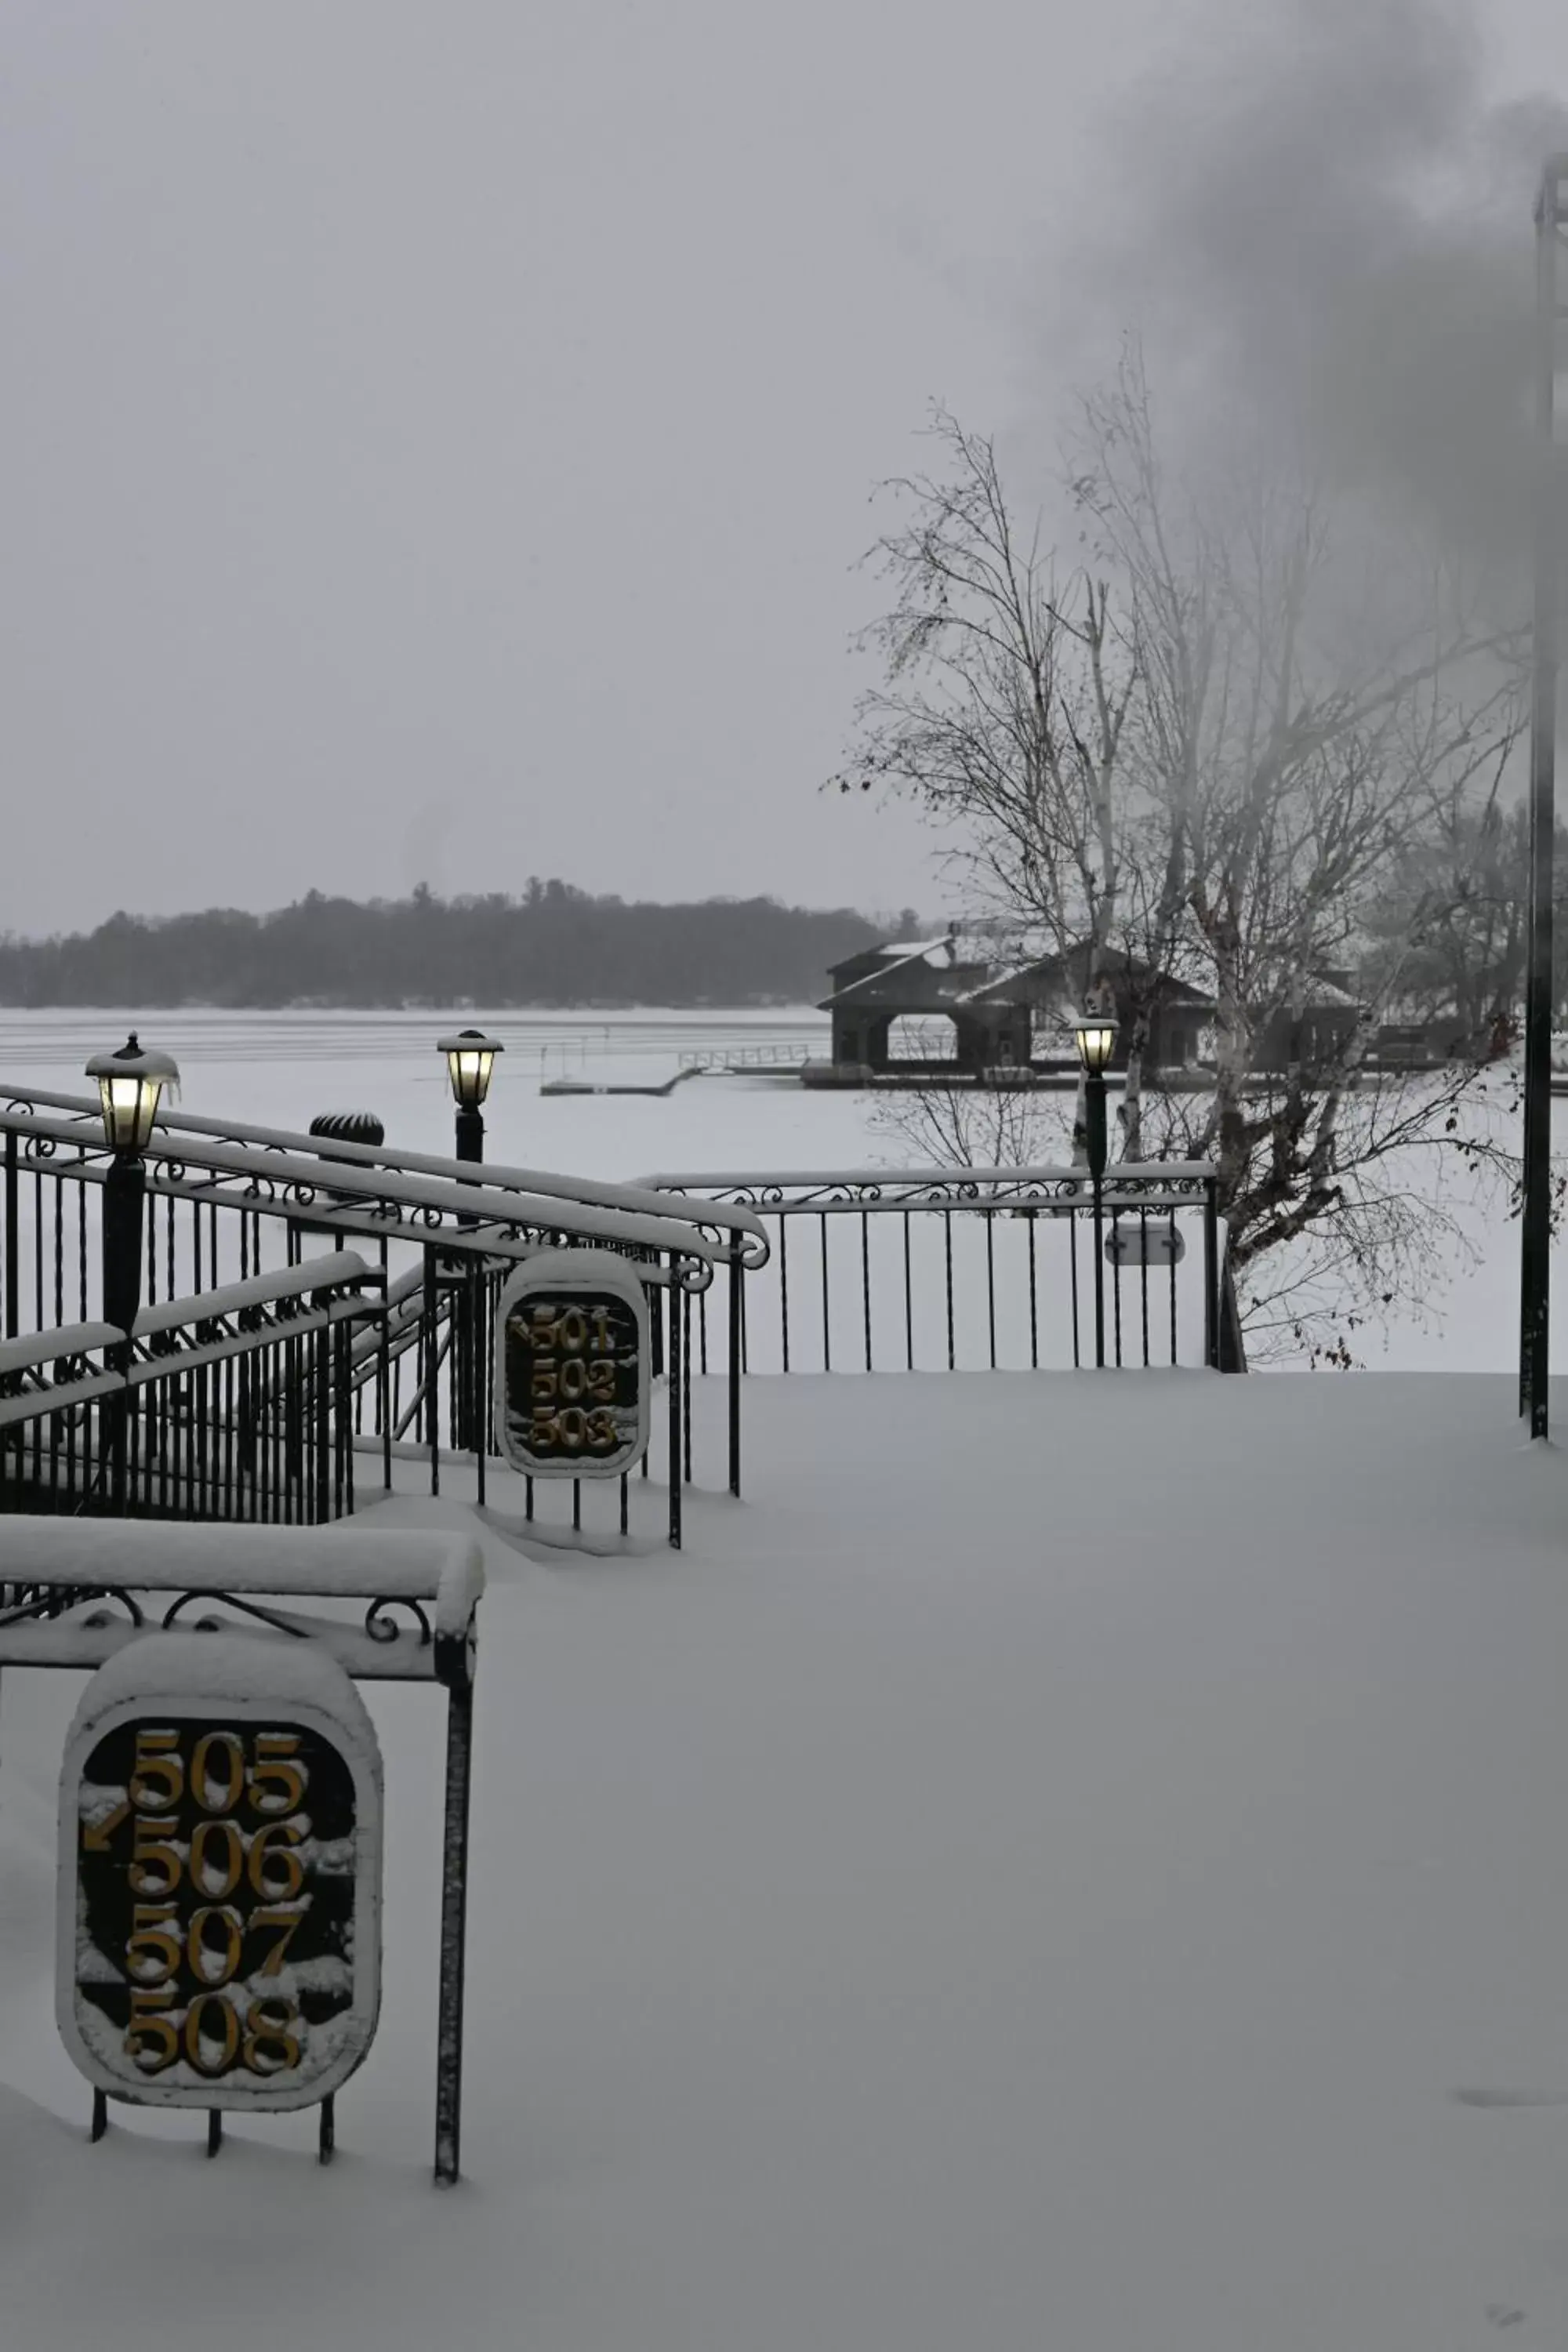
1535	1224
453	1925
432	1358
13	1271
1094	1124
1211	1275
470	1135
124	1225
676	1370
736	1278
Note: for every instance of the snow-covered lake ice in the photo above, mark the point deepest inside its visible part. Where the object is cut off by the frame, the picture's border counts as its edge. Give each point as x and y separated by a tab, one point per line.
279	1069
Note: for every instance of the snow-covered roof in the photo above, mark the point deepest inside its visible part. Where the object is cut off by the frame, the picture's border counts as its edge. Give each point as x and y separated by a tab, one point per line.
905	950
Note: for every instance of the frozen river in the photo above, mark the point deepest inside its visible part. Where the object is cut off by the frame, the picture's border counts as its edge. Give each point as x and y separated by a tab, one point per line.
279	1069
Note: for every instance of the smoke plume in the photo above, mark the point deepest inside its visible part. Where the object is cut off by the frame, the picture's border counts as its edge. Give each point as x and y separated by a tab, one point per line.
1321	220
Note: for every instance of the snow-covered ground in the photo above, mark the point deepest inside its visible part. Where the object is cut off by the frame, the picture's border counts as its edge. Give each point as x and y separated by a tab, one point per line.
1035	1873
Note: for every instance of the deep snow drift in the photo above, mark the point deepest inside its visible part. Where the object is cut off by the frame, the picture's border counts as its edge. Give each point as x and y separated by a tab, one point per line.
1035	1873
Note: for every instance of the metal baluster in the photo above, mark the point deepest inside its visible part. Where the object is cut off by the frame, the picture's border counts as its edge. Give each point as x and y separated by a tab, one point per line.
432	1368
947	1246
674	1412
865	1280
990	1216
10	1273
1072	1263
1031	1221
1116	1281
1211	1276
737	1359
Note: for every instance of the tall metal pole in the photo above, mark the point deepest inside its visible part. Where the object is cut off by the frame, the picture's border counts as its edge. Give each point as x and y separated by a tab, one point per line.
1535	1249
1094	1107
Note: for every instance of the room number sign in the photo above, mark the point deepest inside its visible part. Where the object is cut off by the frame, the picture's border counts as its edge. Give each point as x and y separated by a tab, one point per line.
220	1875
573	1374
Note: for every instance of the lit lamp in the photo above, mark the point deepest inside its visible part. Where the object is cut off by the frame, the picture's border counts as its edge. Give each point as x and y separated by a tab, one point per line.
470	1058
1094	1033
129	1085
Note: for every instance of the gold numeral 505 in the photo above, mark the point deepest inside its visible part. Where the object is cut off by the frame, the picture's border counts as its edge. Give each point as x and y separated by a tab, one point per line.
275	1781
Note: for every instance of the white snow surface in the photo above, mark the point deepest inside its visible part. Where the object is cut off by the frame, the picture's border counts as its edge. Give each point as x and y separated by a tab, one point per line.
1068	1861
350	1557
229	1670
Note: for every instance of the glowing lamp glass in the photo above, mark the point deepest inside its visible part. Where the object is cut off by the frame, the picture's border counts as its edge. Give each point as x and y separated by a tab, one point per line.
130	1086
130	1107
470	1058
1096	1042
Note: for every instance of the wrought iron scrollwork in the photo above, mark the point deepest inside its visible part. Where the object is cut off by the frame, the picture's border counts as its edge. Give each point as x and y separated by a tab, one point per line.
382	1625
198	1598
127	1600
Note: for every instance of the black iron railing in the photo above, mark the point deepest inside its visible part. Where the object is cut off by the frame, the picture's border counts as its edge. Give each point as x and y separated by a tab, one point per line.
232	1404
952	1269
870	1270
224	1208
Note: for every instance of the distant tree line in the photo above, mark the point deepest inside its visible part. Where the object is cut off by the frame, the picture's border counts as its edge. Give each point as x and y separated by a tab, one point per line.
554	945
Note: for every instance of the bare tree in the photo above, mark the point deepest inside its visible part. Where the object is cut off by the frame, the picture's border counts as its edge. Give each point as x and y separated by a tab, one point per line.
1213	748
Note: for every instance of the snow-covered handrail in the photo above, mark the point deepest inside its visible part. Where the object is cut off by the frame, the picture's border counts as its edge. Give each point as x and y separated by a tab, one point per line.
1162	1183
38	1350
339	1270
434	1580
541	1185
330	1286
1140	1169
336	1193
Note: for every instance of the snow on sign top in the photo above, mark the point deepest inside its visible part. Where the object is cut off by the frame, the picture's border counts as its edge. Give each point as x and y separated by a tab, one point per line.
573	1375
218	1923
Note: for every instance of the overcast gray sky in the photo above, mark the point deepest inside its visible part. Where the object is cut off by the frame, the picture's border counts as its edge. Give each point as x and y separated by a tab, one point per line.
436	437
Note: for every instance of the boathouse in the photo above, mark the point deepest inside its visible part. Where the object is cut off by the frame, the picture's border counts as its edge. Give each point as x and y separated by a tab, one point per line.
973	1005
968	1005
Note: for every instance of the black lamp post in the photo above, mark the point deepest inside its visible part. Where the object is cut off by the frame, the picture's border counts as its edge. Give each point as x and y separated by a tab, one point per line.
470	1058
129	1085
1094	1033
